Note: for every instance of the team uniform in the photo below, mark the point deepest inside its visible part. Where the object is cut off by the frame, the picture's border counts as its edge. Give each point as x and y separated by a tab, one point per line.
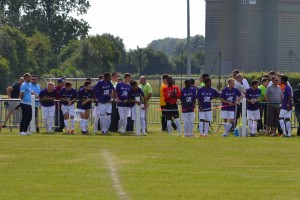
171	94
132	94
253	113
81	96
48	108
123	107
227	111
285	114
103	93
188	100
68	109
204	96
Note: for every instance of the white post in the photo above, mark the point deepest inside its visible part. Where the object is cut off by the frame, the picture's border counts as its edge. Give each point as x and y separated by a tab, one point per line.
244	119
32	123
138	117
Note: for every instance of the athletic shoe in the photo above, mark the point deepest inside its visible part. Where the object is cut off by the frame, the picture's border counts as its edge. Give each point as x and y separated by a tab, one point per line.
205	135
23	133
252	135
50	131
37	129
28	133
225	135
73	132
137	134
144	134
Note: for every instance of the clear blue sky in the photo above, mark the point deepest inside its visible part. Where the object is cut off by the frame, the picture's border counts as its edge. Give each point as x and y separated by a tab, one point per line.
138	22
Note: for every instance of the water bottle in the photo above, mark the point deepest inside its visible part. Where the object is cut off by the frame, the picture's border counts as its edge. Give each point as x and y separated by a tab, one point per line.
236	132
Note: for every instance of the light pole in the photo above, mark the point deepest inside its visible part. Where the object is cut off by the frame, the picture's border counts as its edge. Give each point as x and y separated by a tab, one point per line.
188	41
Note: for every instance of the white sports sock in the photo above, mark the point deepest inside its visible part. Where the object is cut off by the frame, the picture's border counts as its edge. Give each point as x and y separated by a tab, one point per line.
102	122
206	128
66	124
201	125
288	128
250	125
186	127
229	125
143	123
124	124
46	124
72	124
191	127
108	121
225	127
177	122
96	124
254	127
282	125
169	126
82	123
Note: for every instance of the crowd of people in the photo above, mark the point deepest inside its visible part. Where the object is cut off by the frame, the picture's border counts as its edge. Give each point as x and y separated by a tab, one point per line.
269	104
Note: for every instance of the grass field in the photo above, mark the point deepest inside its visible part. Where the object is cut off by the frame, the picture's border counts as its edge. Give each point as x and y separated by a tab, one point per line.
158	166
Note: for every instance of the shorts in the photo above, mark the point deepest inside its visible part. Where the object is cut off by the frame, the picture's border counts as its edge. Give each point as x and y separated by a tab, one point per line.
172	111
227	114
48	111
134	110
124	112
68	109
104	108
285	114
206	115
253	114
188	116
12	105
82	110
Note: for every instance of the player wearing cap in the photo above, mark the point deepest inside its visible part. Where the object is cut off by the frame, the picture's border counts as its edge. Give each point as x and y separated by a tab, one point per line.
171	94
188	101
68	96
205	95
47	97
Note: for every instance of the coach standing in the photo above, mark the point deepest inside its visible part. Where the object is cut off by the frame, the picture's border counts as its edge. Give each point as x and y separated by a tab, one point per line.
147	90
25	96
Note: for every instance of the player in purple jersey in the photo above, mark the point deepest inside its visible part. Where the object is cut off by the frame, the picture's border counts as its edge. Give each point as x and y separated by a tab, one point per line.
229	100
253	114
122	90
134	92
286	109
47	97
188	101
85	97
68	96
104	91
205	95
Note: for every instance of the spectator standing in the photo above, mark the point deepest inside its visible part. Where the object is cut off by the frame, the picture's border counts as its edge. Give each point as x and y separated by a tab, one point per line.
25	96
147	90
296	98
47	97
36	88
13	92
261	124
273	97
59	117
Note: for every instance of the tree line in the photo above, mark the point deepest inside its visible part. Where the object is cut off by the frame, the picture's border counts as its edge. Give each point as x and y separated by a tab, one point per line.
42	37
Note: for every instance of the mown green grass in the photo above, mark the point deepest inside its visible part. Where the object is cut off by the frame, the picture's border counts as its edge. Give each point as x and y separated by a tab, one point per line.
158	166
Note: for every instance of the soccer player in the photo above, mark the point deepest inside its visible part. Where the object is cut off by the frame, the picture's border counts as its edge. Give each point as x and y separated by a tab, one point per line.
122	90
68	96
47	97
85	97
229	100
286	109
188	100
253	113
134	92
162	102
171	94
104	91
205	95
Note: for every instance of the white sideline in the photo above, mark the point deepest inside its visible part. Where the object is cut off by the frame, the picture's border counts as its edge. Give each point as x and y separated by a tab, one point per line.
114	175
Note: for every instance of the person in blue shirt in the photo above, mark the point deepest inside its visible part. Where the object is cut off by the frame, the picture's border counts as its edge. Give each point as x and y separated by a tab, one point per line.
25	96
36	89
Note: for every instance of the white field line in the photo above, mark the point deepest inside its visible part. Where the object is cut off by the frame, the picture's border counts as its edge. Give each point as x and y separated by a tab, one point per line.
114	175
